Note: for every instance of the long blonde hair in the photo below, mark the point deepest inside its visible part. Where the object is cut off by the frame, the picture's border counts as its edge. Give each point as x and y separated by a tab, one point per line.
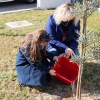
65	13
31	43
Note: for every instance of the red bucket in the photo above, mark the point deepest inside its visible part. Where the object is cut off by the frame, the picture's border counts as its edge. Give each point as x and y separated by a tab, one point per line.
66	71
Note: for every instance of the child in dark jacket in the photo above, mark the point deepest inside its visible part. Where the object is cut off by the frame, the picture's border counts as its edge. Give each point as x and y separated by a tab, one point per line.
32	66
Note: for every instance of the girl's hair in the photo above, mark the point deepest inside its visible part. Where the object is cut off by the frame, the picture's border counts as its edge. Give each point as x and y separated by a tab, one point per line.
31	43
65	13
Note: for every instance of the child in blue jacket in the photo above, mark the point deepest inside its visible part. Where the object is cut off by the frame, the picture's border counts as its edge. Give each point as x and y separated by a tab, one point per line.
32	66
61	27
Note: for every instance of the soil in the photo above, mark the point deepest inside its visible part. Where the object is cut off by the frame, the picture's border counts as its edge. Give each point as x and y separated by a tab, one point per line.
57	90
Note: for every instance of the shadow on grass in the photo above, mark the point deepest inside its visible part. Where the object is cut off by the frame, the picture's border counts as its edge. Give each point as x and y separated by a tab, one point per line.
54	87
90	82
91	76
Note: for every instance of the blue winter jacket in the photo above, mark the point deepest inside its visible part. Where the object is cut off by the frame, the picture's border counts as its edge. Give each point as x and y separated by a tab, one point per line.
29	72
56	34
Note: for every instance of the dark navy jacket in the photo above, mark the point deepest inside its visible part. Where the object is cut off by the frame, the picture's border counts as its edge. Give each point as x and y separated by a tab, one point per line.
56	33
29	72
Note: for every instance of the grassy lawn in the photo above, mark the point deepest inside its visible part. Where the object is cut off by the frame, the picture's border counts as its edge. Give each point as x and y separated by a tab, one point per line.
93	21
10	40
37	17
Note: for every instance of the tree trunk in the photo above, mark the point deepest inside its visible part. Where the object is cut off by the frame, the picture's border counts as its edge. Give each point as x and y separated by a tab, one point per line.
82	53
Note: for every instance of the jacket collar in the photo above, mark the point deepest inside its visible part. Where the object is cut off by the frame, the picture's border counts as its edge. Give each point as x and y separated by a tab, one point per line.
61	28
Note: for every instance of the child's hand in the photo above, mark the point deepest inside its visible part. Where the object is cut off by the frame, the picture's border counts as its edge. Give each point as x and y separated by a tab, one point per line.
69	52
55	58
52	72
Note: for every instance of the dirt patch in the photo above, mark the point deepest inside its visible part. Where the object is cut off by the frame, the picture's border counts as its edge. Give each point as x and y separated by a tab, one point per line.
57	90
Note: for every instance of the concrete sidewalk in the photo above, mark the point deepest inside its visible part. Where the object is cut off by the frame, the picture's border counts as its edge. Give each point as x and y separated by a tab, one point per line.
9	7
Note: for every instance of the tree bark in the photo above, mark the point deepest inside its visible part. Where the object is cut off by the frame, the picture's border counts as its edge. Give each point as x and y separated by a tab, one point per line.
82	53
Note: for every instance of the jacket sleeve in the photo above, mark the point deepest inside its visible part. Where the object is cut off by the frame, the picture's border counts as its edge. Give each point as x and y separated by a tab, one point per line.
50	28
45	69
49	56
74	44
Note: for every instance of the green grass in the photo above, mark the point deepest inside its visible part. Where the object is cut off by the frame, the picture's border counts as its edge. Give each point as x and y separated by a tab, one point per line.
93	21
9	42
37	17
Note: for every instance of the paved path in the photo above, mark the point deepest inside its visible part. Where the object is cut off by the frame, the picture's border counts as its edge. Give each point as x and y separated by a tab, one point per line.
15	6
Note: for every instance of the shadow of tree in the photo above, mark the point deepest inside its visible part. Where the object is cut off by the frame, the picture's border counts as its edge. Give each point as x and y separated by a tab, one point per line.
56	87
90	82
91	76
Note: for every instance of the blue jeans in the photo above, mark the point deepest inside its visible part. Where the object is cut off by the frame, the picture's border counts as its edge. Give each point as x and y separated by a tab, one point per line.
55	52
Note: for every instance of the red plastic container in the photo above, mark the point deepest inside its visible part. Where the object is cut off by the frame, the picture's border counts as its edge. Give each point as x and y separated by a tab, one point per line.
66	71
